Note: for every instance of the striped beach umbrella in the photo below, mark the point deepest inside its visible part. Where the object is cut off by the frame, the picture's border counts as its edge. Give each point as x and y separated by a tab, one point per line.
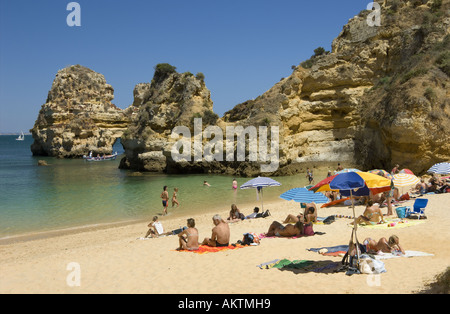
440	168
404	181
407	171
303	195
258	183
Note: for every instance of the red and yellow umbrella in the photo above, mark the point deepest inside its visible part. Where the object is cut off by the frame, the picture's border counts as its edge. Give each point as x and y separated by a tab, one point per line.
375	183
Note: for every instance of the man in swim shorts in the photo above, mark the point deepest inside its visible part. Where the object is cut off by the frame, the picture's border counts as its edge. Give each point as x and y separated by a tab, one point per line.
220	233
165	200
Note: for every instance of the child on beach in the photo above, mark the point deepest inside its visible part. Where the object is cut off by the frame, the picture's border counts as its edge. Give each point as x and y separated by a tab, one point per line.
174	197
234	185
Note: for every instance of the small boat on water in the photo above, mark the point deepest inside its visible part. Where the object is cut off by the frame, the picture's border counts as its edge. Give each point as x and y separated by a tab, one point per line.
100	158
21	137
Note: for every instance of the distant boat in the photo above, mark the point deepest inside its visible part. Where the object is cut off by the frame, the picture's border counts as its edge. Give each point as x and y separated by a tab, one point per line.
100	158
21	137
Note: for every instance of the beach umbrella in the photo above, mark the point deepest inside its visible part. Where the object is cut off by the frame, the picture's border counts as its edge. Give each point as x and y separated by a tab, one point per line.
440	168
407	171
323	185
353	181
374	183
381	172
303	195
348	170
404	181
258	184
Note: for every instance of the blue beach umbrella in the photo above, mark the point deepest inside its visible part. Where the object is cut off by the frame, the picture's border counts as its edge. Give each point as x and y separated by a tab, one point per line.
440	168
258	183
303	195
353	181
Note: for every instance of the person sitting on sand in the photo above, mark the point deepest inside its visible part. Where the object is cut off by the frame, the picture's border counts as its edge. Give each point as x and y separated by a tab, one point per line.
372	215
235	214
421	187
220	233
156	228
276	229
188	239
308	216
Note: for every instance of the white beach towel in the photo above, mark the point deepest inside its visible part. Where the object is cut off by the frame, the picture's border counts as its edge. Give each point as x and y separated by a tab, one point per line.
381	256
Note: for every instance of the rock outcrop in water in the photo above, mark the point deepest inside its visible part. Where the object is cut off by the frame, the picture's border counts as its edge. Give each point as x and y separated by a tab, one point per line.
78	116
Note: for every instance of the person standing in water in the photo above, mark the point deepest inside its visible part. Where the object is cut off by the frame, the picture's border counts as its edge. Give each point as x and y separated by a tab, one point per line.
165	200
174	198
234	184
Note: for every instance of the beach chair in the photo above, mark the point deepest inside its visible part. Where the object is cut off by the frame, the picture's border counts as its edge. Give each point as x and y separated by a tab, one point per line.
418	207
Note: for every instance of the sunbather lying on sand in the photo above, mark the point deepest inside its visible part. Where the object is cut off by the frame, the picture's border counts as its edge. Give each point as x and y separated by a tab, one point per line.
276	229
382	246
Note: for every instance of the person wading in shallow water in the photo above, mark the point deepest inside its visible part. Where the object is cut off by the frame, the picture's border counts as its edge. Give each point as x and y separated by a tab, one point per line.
165	200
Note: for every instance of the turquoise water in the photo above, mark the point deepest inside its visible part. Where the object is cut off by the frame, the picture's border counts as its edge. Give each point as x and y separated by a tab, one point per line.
74	193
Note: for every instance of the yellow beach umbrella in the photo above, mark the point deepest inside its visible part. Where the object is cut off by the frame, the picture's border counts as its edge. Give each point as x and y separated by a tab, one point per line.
404	181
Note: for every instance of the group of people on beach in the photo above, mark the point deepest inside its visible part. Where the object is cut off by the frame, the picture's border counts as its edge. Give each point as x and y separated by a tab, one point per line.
295	225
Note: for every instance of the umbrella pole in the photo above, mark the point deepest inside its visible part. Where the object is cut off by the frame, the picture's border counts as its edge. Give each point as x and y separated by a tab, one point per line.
356	242
262	201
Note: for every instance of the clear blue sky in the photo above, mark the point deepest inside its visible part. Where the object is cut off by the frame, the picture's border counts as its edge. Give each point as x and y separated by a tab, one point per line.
242	46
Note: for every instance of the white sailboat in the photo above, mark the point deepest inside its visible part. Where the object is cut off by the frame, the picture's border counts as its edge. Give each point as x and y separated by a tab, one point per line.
21	137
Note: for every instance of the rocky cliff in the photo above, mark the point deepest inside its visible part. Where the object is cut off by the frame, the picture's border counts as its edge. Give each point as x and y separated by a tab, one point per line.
78	116
378	98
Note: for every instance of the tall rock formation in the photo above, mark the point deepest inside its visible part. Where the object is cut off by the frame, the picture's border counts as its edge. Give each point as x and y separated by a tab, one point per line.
78	116
171	99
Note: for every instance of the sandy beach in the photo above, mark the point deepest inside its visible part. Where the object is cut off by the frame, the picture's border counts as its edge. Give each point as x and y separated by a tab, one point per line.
114	260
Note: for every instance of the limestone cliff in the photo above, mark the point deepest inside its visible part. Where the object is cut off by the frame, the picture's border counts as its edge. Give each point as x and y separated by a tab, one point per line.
171	99
380	97
78	116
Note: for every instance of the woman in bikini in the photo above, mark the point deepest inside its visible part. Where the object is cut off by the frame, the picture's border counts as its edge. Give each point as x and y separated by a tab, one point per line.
189	237
174	197
372	215
278	230
385	246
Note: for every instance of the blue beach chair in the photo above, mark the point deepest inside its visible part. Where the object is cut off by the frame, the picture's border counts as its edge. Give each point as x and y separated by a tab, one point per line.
418	207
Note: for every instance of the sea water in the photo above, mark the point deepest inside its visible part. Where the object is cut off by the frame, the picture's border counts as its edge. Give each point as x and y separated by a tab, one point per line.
71	193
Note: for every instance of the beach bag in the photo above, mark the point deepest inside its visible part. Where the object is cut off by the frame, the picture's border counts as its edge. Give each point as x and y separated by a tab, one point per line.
370	266
401	211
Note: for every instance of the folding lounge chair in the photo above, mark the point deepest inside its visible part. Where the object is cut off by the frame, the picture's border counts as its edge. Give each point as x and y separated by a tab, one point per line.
418	207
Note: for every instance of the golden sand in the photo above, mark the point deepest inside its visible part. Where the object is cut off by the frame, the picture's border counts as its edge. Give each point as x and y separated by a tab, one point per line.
113	260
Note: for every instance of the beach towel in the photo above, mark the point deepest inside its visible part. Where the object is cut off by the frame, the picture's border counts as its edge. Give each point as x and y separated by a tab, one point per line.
302	266
203	249
393	223
381	256
338	250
